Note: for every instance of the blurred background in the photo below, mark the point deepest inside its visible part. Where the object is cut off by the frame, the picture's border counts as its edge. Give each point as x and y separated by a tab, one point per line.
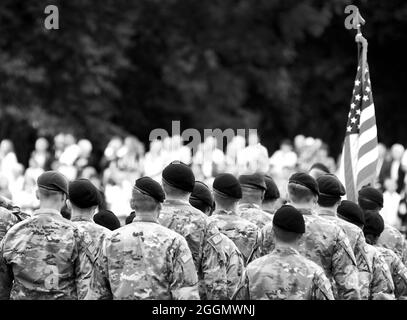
83	99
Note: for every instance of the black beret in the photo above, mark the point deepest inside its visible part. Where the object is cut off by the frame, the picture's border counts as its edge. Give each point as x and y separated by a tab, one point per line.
107	219
374	224
53	181
255	181
83	194
305	180
178	175
329	186
150	187
201	193
319	166
373	196
227	185
272	191
352	212
289	219
130	217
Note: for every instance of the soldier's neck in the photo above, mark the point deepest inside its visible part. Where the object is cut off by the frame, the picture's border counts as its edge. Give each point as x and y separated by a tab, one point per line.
327	210
145	217
226	208
82	215
177	198
250	201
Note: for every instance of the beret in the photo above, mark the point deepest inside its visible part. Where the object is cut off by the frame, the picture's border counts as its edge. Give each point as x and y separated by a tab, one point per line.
305	180
130	217
227	185
352	212
83	194
201	193
330	186
255	181
178	175
53	181
272	191
150	187
289	219
319	166
107	219
374	224
373	196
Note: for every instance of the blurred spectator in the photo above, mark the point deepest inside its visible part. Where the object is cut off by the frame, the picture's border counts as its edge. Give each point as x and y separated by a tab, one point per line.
392	168
391	201
41	157
285	157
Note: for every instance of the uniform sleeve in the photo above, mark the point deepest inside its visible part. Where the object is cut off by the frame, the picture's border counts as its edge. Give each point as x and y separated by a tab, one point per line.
6	275
234	271
213	285
183	278
242	292
399	274
99	287
322	289
344	269
381	287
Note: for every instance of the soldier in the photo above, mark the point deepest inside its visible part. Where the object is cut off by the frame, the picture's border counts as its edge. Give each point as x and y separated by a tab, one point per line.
374	226
374	276
202	199
9	216
144	260
371	200
84	199
253	189
271	196
45	256
324	242
179	215
245	234
317	170
284	274
107	219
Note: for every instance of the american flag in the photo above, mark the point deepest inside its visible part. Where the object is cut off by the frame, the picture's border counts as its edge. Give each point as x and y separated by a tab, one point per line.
360	153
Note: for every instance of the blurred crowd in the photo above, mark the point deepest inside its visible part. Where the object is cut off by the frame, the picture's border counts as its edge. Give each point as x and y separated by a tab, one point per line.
126	159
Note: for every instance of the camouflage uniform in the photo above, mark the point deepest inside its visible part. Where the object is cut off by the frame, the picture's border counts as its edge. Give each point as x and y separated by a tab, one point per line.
398	271
144	260
45	256
208	255
242	232
284	274
254	214
374	280
327	245
392	239
9	218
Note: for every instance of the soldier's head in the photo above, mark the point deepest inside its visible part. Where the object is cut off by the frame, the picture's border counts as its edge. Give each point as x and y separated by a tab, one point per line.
178	181
288	225
201	198
351	212
271	195
226	191
147	196
330	191
52	190
370	199
317	170
302	190
253	188
374	226
84	197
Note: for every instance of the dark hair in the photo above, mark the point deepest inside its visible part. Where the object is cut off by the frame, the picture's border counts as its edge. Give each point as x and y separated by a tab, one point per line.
285	236
130	217
200	205
298	193
66	212
371	239
328	201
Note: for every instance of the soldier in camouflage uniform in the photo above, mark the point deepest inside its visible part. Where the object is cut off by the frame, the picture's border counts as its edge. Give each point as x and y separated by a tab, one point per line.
84	199
243	233
253	189
374	226
324	242
271	196
284	274
9	216
144	260
202	199
374	276
374	282
180	216
44	257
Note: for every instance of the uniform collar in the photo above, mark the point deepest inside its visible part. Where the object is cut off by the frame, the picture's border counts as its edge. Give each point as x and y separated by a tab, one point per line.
224	212
175	202
47	211
81	218
285	249
325	212
307	212
248	205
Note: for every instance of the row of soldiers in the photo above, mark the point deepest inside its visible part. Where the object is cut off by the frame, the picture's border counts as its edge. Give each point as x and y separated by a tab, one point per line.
186	241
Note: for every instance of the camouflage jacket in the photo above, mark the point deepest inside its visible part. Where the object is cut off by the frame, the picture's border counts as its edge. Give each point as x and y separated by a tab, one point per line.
398	271
254	214
208	255
245	234
9	218
284	274
43	257
327	245
144	260
392	239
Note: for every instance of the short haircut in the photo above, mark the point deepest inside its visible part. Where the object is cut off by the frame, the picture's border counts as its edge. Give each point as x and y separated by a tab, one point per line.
285	236
299	194
328	201
252	193
45	193
174	192
367	204
200	205
143	203
224	201
371	239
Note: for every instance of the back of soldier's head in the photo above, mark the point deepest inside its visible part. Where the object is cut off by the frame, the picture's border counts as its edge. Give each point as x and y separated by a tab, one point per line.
288	224
147	195
201	198
178	180
300	194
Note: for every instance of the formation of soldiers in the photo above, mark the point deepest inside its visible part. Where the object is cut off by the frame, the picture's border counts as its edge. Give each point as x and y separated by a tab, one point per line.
188	241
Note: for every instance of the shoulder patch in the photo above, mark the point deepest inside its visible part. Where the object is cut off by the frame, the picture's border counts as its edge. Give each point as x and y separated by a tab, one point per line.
217	239
185	258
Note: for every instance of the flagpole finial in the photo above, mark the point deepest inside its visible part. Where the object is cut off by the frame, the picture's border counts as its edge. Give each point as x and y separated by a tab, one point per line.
354	20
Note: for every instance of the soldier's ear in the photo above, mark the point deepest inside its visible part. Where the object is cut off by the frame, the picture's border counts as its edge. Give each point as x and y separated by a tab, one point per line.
262	195
69	204
37	194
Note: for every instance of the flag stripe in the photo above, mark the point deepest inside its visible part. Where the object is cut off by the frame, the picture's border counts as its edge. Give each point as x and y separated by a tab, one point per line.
349	181
367	147
365	175
371	122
